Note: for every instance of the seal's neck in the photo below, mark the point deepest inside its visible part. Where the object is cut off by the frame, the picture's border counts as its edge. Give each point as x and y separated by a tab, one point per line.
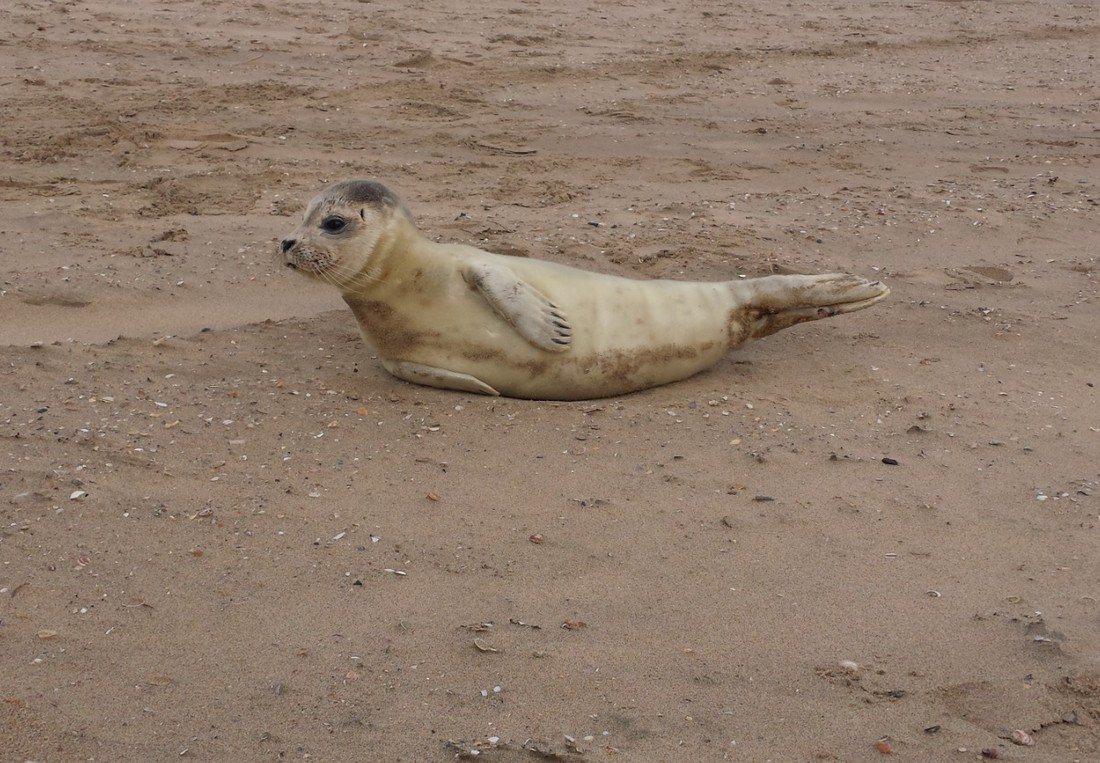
388	257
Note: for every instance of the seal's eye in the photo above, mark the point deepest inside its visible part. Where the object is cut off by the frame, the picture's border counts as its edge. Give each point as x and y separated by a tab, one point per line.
333	224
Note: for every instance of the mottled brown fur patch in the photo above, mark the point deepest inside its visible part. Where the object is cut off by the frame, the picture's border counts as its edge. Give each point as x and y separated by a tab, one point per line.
386	327
535	367
625	365
771	311
479	353
737	326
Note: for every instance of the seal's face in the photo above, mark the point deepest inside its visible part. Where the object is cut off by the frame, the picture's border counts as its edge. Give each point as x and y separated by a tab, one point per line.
340	231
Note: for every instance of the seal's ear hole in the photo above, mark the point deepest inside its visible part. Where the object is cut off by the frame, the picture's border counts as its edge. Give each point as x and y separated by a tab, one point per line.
362	214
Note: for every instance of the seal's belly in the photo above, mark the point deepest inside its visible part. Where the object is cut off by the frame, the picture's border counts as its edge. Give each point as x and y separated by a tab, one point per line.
627	335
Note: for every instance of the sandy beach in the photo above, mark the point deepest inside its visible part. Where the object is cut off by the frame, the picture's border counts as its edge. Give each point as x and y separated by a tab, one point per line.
228	535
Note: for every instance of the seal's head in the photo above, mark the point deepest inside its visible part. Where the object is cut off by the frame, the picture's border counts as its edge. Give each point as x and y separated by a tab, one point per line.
341	230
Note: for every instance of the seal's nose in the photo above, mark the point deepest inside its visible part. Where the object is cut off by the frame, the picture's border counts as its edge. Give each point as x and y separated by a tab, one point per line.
288	244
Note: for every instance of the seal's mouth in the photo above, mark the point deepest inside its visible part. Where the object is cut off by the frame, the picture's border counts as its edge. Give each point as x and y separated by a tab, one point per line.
308	262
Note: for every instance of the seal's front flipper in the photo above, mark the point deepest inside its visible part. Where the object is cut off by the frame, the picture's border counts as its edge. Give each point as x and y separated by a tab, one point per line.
536	318
776	302
430	376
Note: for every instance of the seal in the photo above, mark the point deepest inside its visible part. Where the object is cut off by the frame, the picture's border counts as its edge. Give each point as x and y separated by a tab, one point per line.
457	317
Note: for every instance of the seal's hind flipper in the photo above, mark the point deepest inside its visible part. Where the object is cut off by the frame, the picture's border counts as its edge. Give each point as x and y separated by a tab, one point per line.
776	302
536	318
430	376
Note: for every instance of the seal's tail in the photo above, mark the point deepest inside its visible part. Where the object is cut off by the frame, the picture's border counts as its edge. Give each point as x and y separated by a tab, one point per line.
777	302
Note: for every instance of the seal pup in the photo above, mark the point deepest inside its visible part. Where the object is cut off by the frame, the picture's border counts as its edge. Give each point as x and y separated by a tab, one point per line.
457	317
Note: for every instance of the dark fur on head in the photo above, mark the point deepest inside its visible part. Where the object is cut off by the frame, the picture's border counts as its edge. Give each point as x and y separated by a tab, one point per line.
367	192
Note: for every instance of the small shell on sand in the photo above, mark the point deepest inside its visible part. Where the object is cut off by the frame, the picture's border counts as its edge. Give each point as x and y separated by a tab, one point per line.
1021	737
